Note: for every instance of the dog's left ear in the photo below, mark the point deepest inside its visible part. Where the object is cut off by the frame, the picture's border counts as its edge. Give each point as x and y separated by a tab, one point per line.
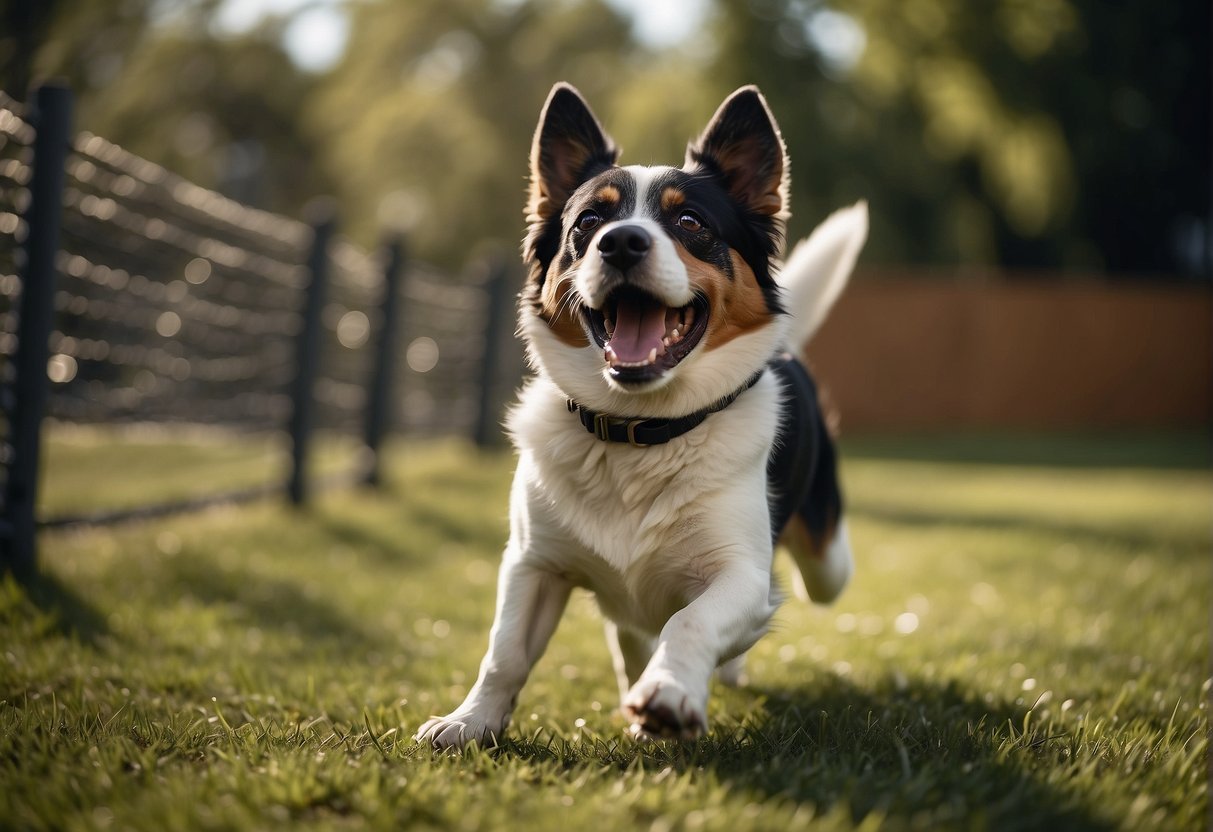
743	144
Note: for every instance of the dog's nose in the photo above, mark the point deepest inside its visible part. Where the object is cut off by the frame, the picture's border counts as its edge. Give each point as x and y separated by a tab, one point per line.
624	246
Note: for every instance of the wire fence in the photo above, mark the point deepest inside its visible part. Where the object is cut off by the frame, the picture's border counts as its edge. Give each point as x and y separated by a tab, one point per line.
174	305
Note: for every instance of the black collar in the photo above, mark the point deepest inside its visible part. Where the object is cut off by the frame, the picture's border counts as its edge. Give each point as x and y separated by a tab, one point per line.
641	433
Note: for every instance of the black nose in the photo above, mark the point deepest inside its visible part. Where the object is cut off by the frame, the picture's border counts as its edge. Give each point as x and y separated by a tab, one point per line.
624	246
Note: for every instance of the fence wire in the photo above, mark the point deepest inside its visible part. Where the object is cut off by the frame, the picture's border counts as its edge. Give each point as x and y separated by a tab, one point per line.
177	305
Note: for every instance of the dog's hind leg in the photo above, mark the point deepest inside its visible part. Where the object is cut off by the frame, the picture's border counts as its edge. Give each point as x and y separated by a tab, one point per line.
816	534
630	653
803	473
823	564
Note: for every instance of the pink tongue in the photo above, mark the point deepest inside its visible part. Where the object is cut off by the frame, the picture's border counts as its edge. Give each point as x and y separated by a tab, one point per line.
639	328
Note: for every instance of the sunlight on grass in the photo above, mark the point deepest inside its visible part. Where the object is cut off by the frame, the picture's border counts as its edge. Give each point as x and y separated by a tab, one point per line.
96	469
1024	646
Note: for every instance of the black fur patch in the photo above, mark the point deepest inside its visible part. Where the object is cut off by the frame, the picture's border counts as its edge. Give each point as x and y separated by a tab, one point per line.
755	237
585	198
802	472
543	239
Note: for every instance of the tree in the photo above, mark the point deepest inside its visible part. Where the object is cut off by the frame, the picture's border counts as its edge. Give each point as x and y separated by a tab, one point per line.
1028	133
223	112
427	121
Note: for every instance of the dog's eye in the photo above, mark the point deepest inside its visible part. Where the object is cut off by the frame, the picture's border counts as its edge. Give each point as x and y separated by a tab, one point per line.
690	221
588	221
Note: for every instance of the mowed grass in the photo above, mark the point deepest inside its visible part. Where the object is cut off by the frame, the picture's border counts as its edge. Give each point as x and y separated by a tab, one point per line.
1025	646
94	470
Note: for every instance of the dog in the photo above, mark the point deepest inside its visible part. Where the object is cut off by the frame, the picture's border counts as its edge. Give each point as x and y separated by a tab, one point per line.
669	436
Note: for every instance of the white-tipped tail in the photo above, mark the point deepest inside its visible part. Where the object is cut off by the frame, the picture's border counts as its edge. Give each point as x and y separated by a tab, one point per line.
817	270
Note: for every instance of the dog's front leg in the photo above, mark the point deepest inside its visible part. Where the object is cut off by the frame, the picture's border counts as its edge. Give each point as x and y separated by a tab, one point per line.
529	604
670	697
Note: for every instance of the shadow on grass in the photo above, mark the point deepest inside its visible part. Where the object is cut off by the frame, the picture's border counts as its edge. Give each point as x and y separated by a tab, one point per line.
72	615
923	755
271	604
407	545
1179	450
1180	546
383	547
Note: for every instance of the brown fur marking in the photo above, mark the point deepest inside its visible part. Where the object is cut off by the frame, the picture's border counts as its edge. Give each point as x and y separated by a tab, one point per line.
609	194
558	309
671	198
737	306
798	539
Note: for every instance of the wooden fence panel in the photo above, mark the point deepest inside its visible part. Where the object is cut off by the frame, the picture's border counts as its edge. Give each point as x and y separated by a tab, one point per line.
902	354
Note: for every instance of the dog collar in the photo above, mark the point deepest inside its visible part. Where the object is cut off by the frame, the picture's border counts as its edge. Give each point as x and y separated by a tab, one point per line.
640	433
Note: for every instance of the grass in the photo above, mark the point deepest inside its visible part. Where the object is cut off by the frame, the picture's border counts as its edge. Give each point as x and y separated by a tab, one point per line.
1025	646
98	470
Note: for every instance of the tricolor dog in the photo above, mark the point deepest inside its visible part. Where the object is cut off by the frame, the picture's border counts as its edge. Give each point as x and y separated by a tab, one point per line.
670	437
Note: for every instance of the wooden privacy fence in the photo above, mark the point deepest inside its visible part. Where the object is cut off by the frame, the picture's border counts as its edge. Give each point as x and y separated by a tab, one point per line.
910	352
128	294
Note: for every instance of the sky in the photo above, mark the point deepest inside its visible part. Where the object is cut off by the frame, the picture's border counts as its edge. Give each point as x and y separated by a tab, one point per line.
316	36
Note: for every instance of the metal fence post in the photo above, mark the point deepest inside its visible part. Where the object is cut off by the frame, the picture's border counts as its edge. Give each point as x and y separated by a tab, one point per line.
51	117
307	355
500	312
379	402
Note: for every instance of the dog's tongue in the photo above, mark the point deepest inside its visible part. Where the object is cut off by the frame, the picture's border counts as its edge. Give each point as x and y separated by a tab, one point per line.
639	328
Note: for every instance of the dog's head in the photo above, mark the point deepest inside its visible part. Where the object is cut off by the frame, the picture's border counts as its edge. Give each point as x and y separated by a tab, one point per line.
650	289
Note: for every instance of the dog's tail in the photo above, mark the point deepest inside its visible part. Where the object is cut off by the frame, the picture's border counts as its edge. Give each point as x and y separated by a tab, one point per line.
817	270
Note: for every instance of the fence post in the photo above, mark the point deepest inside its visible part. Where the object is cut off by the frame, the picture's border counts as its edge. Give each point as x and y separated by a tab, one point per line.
307	351
379	407
497	317
51	117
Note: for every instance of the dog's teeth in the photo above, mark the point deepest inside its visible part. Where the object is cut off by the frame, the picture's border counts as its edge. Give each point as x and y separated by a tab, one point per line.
610	356
610	325
665	342
674	334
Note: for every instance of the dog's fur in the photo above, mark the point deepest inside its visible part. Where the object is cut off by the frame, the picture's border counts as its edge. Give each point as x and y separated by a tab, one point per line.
675	540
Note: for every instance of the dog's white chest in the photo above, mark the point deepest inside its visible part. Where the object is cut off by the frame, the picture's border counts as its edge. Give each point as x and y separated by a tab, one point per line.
643	528
621	503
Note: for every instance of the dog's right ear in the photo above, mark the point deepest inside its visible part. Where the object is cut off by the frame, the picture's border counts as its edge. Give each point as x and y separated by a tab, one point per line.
569	147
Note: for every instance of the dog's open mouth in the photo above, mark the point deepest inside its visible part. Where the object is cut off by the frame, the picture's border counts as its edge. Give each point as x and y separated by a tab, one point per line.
641	338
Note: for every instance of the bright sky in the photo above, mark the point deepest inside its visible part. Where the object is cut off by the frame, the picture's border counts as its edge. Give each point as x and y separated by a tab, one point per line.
316	37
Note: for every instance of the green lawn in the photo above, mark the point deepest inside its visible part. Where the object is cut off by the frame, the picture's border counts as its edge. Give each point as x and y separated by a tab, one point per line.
1025	646
96	470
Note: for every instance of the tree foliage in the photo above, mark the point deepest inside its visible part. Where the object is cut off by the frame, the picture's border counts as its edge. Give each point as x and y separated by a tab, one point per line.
1021	133
429	118
1026	133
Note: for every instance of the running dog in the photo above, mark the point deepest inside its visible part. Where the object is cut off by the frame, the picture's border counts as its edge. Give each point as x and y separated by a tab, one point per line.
670	436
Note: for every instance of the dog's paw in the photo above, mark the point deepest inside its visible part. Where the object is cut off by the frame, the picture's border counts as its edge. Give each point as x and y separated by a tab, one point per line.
659	707
461	728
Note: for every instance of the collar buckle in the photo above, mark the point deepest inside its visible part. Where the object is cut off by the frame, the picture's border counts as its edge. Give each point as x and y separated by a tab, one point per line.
602	426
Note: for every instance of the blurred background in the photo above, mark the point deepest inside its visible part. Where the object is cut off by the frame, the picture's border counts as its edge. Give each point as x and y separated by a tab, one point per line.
1038	175
1010	134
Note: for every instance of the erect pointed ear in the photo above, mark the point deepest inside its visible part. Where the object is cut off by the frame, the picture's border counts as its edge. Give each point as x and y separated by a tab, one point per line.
569	147
742	143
